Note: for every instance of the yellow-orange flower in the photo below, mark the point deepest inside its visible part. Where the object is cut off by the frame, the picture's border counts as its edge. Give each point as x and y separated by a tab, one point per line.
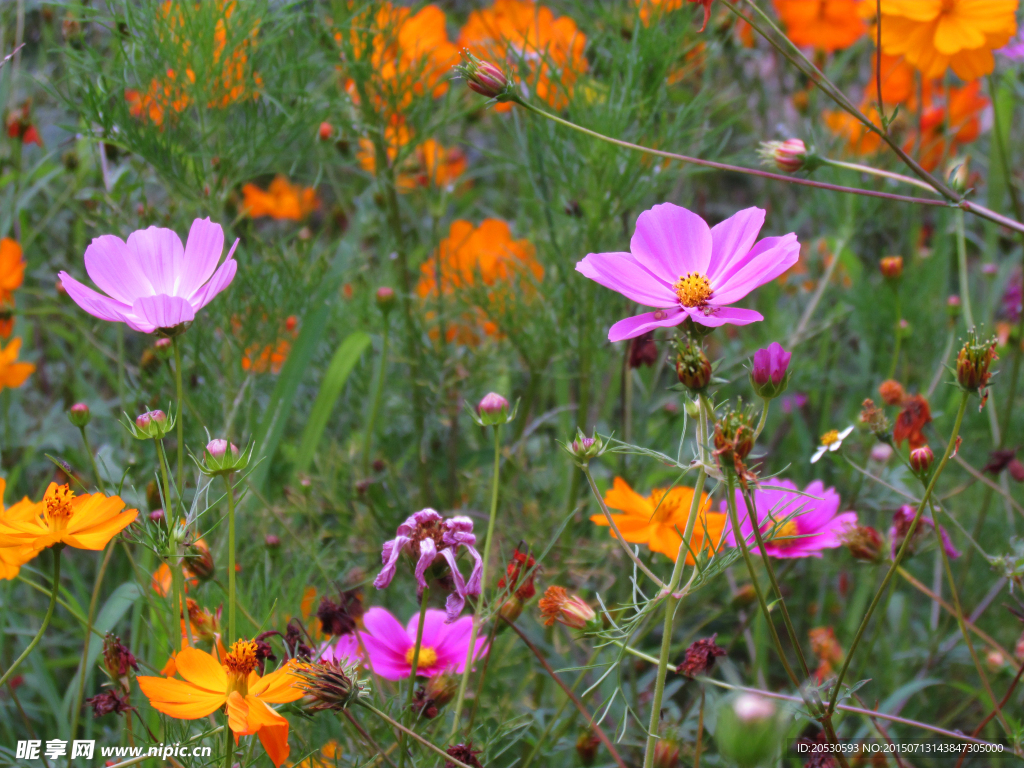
485	257
12	558
651	8
897	81
224	72
429	165
410	54
935	35
12	269
88	521
653	519
281	200
326	758
827	25
859	139
520	31
271	357
12	373
947	127
209	685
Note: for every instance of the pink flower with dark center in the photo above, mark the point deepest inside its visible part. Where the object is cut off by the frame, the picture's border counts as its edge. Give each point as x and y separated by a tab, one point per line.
428	537
815	525
390	646
152	282
684	269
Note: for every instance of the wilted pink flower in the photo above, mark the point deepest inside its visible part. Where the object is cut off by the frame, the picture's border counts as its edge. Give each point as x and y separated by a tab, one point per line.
151	281
427	536
390	646
815	526
901	526
683	269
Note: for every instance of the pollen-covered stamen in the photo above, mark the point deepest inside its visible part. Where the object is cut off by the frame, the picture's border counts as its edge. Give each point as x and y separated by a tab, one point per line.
241	659
57	507
830	437
427	657
785	534
693	289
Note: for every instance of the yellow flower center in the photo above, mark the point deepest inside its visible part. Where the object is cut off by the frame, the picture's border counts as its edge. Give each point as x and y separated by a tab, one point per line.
57	508
784	533
240	661
830	437
428	657
693	289
667	505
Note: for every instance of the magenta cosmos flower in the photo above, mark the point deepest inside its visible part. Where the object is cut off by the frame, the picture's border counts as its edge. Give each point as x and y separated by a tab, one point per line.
390	646
683	269
152	282
428	537
815	526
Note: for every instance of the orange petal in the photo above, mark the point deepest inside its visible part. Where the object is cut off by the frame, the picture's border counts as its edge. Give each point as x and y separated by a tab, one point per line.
277	687
238	715
179	699
271	728
202	670
624	498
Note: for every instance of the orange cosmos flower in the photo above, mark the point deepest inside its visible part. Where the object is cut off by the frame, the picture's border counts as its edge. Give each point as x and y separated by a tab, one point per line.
409	52
12	558
429	165
161	582
281	200
13	374
88	521
12	269
549	49
947	127
859	139
897	81
235	685
653	520
935	35
271	357
826	25
480	257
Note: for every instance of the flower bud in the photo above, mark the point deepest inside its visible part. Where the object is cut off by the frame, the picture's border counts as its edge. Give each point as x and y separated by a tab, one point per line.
493	410
692	366
788	156
164	348
270	541
921	459
511	609
743	596
748	730
666	753
431	698
734	435
586	747
892	392
79	415
864	543
385	299
221	457
958	173
558	605
152	425
973	362
891	267
485	78
325	131
953	306
769	377
585	448
156	516
692	408
199	560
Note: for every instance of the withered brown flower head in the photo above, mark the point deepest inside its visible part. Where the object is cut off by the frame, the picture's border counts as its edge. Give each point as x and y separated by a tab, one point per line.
891	392
465	754
110	702
643	350
339	618
521	562
912	419
331	685
700	657
293	640
874	418
117	658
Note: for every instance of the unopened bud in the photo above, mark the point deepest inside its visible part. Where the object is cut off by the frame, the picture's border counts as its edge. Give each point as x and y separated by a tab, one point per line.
953	306
325	131
891	267
586	747
692	366
666	753
79	415
788	156
770	374
164	348
921	459
385	299
958	173
221	457
748	730
585	448
511	609
199	560
973	362
863	542
734	435
156	516
492	410
485	78
271	541
152	425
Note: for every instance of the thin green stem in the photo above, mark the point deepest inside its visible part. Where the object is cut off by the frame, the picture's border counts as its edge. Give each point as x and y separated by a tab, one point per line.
395	724
898	331
83	667
482	676
879	172
900	554
377	395
414	668
174	561
763	419
483	582
181	424
231	558
961	259
229	752
558	712
92	461
55	587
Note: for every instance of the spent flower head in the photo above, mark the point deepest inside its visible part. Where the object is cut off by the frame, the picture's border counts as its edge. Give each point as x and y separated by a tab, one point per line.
973	363
332	686
734	435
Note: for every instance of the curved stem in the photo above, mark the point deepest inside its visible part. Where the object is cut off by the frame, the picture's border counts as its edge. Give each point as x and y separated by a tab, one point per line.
879	172
181	423
82	669
899	555
231	559
92	461
395	724
55	587
377	395
414	668
763	419
483	582
961	258
174	561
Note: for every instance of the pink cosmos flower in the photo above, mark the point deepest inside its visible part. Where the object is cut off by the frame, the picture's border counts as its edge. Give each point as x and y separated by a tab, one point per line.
390	646
428	537
683	269
151	281
816	523
901	521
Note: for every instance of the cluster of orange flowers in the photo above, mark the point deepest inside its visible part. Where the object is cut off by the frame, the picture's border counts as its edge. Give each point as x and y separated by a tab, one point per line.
485	256
430	164
825	25
280	200
271	357
12	275
223	72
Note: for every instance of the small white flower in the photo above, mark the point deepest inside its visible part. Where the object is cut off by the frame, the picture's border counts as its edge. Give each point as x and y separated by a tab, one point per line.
830	441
